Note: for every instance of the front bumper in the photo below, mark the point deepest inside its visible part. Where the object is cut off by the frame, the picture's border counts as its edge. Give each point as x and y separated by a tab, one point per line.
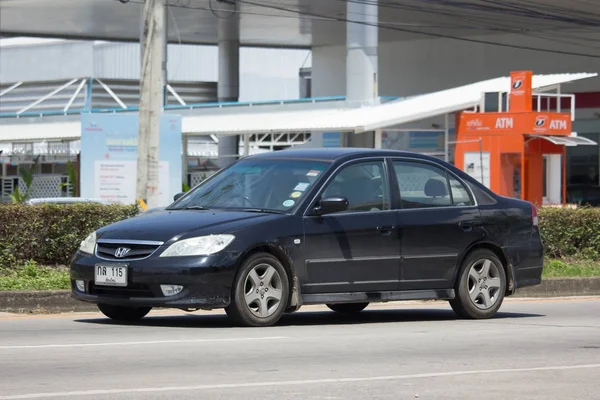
207	282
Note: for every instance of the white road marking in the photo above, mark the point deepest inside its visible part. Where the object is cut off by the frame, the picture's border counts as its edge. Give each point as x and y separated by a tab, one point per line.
291	383
49	346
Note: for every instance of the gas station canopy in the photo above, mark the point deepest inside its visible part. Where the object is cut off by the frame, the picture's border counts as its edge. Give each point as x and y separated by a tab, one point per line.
341	119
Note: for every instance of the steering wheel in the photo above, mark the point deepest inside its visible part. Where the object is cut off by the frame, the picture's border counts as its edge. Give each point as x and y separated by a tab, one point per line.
244	197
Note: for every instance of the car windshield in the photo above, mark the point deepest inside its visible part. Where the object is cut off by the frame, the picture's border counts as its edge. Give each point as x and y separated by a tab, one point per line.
255	184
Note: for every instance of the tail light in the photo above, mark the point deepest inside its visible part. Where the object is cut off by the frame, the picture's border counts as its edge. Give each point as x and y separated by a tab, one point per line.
534	215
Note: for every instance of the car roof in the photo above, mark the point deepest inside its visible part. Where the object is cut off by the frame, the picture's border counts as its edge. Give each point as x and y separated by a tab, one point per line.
334	154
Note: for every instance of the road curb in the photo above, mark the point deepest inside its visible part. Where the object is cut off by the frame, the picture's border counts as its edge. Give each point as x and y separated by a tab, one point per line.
563	287
42	301
58	301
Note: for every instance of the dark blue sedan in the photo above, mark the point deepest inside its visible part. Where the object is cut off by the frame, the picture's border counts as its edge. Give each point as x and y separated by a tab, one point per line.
341	227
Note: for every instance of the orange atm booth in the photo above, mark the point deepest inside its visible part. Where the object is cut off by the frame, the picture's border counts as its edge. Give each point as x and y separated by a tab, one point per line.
514	152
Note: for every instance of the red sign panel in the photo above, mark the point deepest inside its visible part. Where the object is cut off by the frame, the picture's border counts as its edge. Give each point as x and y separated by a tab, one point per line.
519	123
520	91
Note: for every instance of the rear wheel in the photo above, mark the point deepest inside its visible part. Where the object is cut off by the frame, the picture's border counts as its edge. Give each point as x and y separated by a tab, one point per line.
348	308
120	313
481	286
260	292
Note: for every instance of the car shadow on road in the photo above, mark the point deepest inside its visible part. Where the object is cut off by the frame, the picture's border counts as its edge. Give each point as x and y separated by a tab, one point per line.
306	318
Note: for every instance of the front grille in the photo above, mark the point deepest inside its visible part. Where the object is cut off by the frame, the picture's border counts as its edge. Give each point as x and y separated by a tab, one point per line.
135	250
131	290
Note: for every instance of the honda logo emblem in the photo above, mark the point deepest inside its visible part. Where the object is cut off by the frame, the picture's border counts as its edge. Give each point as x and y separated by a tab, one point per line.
121	252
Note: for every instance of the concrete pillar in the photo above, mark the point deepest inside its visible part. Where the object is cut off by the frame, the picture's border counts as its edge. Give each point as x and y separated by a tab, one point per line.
246	145
361	61
361	52
228	87
184	160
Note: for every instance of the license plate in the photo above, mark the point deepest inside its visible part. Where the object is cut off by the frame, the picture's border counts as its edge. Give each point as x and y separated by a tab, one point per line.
110	275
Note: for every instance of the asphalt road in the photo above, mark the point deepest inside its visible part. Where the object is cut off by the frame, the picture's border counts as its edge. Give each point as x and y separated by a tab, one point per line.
536	349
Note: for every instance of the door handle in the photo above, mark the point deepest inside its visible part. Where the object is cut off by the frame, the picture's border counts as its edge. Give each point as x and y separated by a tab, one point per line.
385	230
467	225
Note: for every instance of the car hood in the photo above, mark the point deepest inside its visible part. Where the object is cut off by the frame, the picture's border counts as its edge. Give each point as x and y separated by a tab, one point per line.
164	225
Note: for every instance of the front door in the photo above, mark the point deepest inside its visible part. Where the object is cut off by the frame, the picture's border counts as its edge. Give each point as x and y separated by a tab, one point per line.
358	249
438	220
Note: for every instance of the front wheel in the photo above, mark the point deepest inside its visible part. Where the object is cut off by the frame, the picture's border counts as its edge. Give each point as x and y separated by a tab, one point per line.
120	313
348	308
260	292
481	286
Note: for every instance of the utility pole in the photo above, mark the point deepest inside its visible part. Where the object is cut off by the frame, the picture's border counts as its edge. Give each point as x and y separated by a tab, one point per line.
152	84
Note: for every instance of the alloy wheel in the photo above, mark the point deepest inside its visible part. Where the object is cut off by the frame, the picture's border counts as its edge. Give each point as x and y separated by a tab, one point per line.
484	284
263	290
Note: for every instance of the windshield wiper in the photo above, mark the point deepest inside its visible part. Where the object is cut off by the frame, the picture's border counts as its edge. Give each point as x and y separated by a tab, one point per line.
193	208
262	210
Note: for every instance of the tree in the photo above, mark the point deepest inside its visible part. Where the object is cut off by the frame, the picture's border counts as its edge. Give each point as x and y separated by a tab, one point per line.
27	177
72	174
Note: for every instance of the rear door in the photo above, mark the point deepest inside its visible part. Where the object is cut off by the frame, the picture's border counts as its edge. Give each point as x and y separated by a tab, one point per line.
358	249
438	221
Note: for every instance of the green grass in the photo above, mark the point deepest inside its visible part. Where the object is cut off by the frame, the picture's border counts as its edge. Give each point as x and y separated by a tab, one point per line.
32	276
571	269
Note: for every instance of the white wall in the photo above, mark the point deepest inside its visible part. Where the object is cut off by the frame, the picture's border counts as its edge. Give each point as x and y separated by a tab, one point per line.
46	61
271	74
415	67
265	74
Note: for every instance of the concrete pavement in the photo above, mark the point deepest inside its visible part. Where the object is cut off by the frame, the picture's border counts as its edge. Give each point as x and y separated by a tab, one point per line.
536	349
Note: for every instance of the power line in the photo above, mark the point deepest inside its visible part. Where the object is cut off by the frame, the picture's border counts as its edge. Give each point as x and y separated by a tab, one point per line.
391	26
430	34
444	7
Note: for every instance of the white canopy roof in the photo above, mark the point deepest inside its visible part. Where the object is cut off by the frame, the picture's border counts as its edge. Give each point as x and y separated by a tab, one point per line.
312	120
366	118
37	132
566	140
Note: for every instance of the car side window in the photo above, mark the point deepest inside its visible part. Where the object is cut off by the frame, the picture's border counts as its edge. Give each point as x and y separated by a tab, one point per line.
422	185
363	184
460	194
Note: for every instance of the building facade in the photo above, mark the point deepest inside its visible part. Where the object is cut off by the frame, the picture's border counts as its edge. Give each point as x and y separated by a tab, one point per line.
360	54
54	81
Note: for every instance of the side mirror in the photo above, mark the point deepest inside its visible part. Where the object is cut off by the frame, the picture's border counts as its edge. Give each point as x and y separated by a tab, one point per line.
330	205
178	196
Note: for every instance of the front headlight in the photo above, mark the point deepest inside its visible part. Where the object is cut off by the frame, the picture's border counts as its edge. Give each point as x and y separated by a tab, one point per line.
198	246
88	244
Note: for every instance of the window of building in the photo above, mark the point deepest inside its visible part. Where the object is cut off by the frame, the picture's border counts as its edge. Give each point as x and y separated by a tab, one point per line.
12	169
364	186
583	162
46	168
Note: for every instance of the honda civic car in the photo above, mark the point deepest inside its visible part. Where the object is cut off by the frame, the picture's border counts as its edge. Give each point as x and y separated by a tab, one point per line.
341	227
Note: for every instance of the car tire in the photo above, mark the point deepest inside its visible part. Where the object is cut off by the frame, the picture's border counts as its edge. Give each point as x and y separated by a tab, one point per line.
481	286
120	313
348	308
260	292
